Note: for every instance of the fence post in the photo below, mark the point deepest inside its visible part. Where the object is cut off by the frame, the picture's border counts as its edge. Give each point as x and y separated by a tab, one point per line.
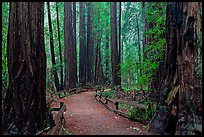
106	100
99	96
52	122
61	104
96	93
116	105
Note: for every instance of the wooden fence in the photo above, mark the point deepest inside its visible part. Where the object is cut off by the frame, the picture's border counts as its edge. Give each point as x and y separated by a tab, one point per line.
58	120
106	101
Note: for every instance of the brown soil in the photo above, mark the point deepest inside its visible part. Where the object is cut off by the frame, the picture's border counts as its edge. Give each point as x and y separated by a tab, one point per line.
86	116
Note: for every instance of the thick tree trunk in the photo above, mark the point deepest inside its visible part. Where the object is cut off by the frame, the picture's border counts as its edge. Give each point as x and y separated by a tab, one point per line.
56	79
25	102
60	48
82	45
114	46
70	80
181	91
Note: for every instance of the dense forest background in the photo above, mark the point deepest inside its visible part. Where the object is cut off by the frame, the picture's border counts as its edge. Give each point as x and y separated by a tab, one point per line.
152	49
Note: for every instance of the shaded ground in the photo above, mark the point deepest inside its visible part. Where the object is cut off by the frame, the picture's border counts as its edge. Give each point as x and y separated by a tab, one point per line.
86	116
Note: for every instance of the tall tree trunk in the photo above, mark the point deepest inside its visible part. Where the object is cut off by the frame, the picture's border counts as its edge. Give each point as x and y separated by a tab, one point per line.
143	18
98	57
90	43
96	69
70	80
139	50
82	71
99	77
25	102
119	46
180	97
56	79
138	41
100	68
107	55
74	42
60	48
146	27
114	46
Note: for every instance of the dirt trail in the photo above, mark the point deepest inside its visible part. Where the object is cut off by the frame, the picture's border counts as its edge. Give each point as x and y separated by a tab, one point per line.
86	116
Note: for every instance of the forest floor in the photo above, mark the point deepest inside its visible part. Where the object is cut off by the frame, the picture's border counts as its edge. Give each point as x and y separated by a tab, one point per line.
86	116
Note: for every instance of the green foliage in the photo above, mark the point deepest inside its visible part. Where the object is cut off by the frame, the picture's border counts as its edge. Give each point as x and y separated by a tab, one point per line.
132	78
141	114
146	127
101	29
135	73
154	49
109	94
127	107
50	68
50	80
130	54
5	21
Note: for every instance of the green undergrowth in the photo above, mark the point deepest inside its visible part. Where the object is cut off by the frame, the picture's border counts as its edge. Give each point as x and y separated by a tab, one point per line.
142	114
109	94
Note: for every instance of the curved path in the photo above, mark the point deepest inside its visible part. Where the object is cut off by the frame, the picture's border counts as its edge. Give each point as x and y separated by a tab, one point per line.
86	116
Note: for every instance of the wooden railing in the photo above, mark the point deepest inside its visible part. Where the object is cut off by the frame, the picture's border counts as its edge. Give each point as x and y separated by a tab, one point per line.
106	101
58	119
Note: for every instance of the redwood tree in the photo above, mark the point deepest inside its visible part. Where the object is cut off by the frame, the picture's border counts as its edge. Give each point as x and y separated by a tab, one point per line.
107	56
25	103
114	46
60	47
82	44
74	42
119	44
180	104
89	43
70	80
56	79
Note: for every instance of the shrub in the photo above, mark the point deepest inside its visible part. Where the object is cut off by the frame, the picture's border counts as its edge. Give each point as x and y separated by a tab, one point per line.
141	114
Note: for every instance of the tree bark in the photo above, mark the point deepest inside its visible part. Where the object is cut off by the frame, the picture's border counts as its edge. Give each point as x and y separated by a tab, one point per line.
74	42
119	46
138	41
107	56
70	80
90	43
96	65
97	79
82	71
182	87
114	46
60	48
145	29
25	102
56	79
